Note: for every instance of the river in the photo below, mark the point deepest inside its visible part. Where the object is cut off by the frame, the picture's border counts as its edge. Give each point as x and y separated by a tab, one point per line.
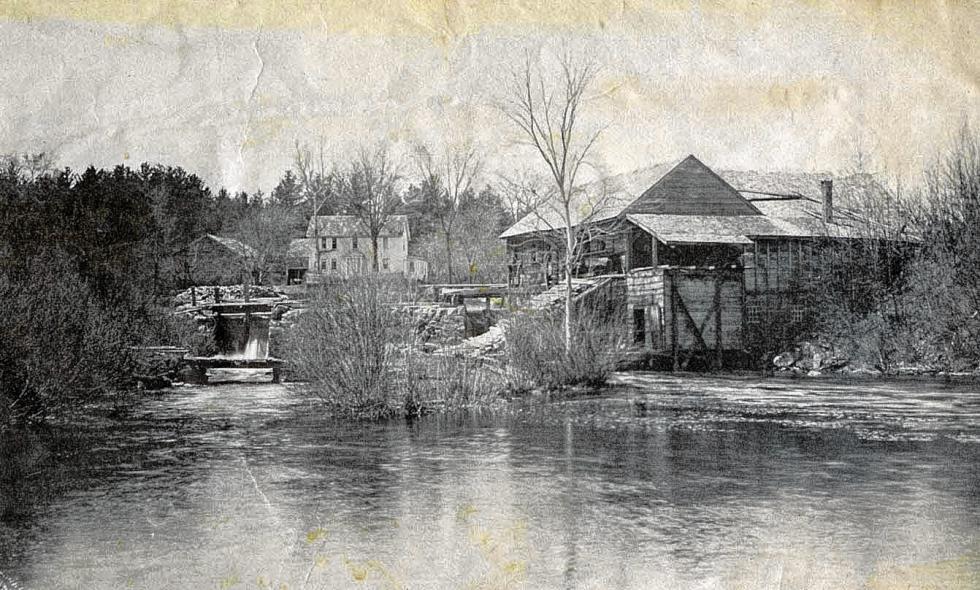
658	482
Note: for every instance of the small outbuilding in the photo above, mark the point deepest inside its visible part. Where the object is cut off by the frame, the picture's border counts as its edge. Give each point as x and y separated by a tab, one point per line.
218	260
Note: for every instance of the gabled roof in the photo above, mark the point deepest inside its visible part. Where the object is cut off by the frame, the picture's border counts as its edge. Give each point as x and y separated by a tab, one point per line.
802	217
682	187
300	248
598	201
343	226
690	196
236	247
691	188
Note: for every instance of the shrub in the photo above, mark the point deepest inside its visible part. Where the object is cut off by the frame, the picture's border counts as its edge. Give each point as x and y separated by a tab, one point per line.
449	383
536	355
346	344
61	345
360	355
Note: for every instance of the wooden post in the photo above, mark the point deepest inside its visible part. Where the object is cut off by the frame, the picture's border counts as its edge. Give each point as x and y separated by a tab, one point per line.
648	327
768	265
627	259
275	374
193	296
745	325
673	322
201	374
718	342
654	255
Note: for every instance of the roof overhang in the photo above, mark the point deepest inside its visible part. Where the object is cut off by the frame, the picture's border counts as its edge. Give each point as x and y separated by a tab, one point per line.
687	230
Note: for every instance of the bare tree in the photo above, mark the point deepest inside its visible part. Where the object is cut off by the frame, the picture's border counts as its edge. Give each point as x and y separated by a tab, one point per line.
265	230
545	107
447	185
367	189
29	167
315	183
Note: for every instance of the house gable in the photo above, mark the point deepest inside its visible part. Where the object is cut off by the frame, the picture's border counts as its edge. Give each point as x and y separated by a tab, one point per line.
691	188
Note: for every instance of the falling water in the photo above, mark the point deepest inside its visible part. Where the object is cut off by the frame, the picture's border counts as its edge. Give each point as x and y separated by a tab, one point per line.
241	336
256	348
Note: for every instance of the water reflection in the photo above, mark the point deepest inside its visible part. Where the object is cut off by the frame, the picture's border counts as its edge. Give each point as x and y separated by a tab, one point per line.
660	483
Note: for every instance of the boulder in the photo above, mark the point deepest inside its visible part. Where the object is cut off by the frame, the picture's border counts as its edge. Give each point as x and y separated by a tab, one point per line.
784	360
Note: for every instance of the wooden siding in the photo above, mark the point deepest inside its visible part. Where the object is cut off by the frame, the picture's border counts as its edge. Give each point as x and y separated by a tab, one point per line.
691	188
210	263
779	265
701	304
645	286
645	298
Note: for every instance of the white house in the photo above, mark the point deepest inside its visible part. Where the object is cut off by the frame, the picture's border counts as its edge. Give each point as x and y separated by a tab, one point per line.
341	245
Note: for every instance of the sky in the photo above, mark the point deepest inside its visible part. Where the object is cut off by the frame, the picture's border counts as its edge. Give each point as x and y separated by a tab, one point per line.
225	89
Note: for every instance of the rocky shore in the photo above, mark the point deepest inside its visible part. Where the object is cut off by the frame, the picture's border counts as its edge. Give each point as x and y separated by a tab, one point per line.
817	359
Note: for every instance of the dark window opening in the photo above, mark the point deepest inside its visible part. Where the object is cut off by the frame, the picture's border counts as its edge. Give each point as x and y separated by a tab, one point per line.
639	326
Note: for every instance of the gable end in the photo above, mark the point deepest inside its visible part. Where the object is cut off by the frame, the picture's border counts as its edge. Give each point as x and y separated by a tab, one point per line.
691	188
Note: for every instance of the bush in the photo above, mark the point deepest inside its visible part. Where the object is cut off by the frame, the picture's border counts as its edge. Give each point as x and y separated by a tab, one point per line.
346	344
536	355
449	383
62	347
889	303
360	355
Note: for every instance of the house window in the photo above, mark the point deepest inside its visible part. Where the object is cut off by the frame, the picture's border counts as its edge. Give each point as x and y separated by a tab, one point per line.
384	243
411	266
333	264
797	313
323	265
323	243
384	264
353	243
753	313
333	243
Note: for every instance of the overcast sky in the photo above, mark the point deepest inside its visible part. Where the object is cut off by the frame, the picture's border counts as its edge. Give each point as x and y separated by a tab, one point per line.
224	89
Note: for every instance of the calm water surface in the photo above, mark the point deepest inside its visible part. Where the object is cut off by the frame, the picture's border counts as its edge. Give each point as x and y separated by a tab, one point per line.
661	482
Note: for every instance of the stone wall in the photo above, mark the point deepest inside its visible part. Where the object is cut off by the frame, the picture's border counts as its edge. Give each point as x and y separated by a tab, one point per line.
226	293
437	325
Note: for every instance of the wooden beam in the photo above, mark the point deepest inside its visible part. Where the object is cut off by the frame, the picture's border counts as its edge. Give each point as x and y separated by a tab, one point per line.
627	256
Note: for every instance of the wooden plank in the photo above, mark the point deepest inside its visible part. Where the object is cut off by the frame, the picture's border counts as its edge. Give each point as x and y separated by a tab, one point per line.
696	331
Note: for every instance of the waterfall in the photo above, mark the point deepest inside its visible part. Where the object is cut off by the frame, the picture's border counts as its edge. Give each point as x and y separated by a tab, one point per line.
257	347
243	336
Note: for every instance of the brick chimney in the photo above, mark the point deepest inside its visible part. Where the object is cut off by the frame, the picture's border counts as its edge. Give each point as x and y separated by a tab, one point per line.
827	188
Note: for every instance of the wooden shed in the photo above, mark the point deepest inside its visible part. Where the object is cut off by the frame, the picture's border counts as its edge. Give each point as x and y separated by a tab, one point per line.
218	260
